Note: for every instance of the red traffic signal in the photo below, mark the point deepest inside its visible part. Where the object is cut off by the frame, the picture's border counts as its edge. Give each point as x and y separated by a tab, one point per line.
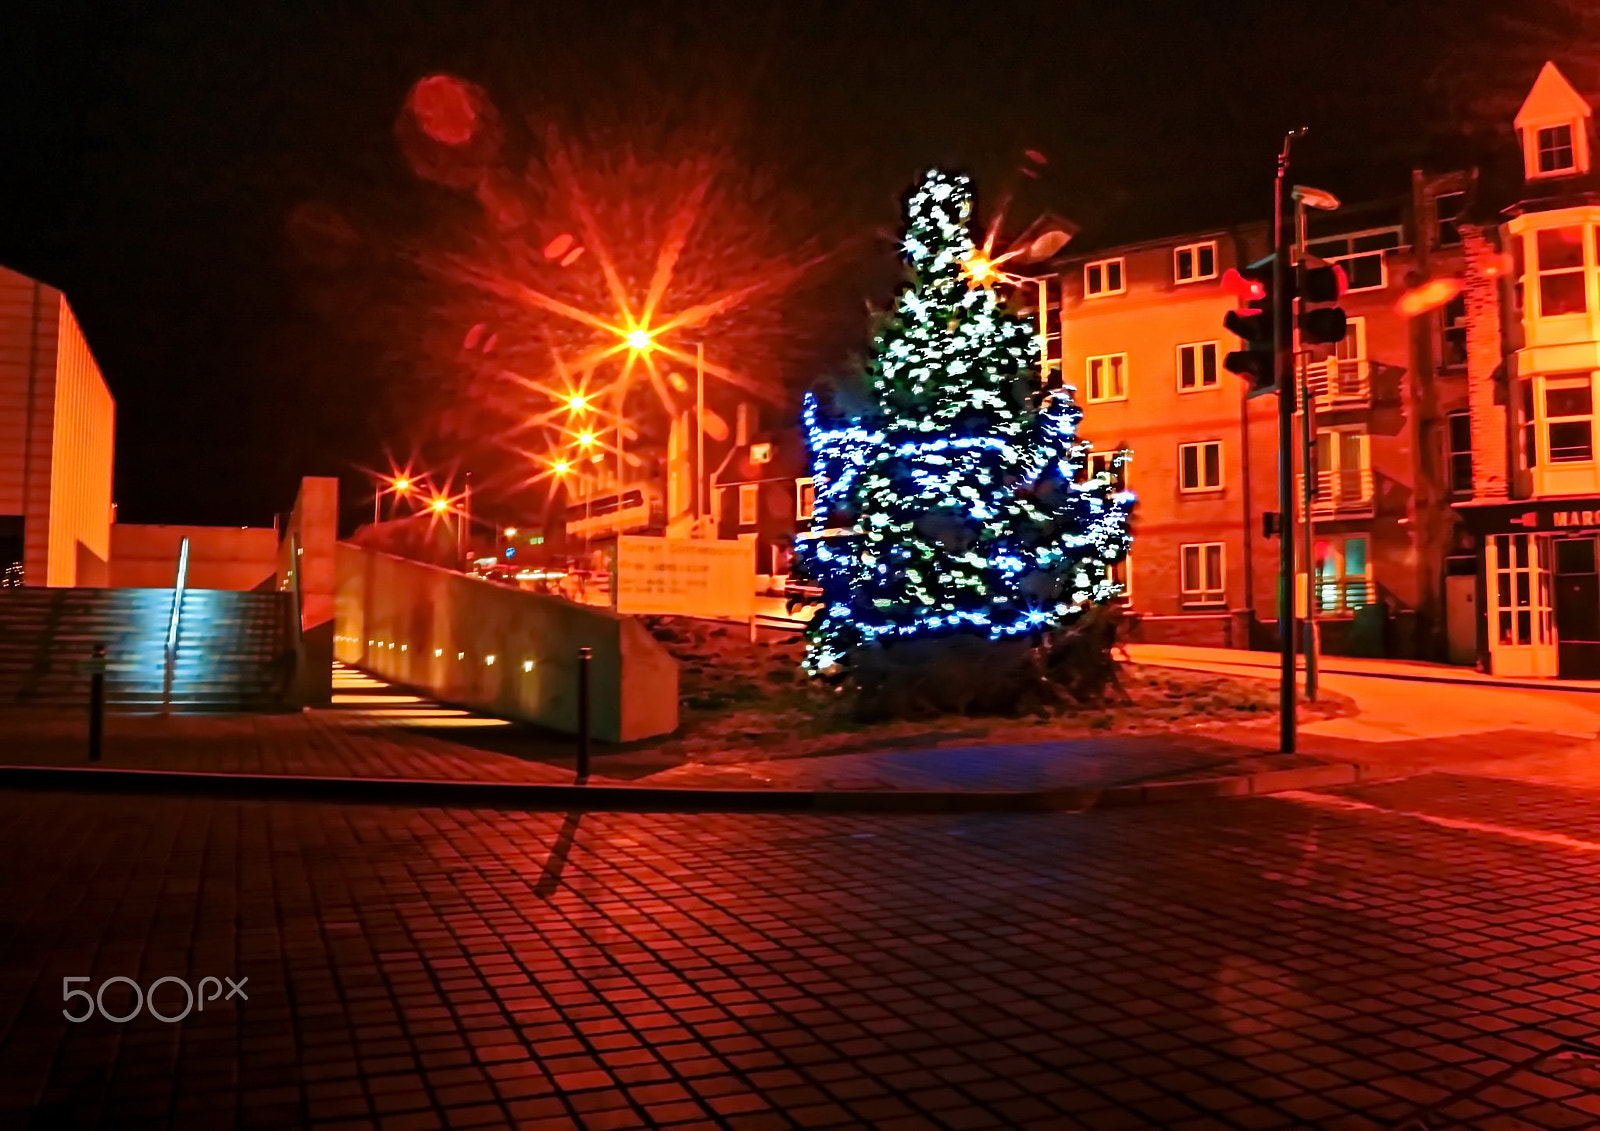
1255	324
1322	322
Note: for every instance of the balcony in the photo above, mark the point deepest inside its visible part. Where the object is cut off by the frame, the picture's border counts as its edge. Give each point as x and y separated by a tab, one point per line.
1342	493
1340	384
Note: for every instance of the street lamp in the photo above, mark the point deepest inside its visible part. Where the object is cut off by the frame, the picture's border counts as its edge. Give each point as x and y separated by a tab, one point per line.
1324	201
399	485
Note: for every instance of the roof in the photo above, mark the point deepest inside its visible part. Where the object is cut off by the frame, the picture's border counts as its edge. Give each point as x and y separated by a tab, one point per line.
1552	99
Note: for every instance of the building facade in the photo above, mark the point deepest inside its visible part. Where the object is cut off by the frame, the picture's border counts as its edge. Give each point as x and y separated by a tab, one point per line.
57	430
1144	347
1532	280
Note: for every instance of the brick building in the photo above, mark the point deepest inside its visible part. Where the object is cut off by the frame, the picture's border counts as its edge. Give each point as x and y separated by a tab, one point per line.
1144	345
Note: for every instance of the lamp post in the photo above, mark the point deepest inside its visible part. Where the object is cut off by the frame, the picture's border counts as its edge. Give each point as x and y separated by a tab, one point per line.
400	484
1304	198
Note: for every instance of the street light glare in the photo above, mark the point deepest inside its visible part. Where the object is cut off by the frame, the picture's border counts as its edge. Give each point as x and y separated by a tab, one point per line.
639	339
402	485
577	403
511	532
439	505
561	466
586	439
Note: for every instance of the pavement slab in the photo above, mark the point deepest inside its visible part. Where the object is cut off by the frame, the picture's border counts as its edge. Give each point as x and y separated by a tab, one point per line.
1255	963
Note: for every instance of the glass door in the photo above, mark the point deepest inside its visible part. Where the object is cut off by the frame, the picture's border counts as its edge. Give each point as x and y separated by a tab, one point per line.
1521	630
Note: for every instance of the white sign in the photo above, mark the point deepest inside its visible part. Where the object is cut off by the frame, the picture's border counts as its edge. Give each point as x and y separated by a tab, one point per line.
686	577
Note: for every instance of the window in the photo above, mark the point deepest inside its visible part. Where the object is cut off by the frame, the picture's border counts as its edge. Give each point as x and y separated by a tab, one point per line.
1520	595
1201	573
1361	254
1200	466
1518	270
1530	427
1460	451
1555	149
1447	211
1101	463
749	503
1561	278
1103	277
1569	421
1122	573
1346	376
1344	472
1194	261
805	498
1344	575
1108	377
1197	366
1453	334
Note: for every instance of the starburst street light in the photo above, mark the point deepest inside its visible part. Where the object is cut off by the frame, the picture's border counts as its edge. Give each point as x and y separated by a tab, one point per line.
639	340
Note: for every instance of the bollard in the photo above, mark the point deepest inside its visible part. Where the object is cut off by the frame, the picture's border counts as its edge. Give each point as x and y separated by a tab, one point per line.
97	700
583	714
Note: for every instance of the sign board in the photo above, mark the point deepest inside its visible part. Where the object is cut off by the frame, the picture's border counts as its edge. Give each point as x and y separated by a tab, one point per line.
686	577
1558	516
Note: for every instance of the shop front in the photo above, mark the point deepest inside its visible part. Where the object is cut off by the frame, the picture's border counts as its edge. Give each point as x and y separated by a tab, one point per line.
1538	586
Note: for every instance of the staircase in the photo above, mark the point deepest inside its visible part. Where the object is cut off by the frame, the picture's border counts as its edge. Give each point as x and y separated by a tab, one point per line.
232	654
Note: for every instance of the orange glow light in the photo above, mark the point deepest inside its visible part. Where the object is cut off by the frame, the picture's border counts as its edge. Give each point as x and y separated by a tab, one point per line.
979	268
639	340
561	466
1428	296
402	485
577	402
439	505
586	439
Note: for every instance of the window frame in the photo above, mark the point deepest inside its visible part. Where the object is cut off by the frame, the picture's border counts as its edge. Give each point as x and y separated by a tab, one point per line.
1453	220
1546	386
1449	325
749	502
1121	263
1101	461
1201	384
802	511
1340	579
1319	248
1201	487
1194	250
1540	273
1455	455
1202	594
1088	378
1539	151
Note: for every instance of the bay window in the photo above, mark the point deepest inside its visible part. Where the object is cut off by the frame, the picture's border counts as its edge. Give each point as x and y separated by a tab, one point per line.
1562	284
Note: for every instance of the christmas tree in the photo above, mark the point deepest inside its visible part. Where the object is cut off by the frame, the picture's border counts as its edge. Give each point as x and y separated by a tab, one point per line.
951	499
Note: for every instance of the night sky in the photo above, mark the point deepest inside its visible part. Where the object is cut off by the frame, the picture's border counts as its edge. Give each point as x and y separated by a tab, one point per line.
150	155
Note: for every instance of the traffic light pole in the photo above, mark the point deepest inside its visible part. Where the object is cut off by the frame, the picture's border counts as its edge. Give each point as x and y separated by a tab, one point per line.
1308	641
1286	405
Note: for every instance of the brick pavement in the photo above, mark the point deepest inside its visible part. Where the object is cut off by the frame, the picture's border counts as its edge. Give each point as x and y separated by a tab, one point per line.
1251	964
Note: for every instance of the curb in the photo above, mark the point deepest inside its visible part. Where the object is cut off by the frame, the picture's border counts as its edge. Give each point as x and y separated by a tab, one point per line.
1405	677
537	797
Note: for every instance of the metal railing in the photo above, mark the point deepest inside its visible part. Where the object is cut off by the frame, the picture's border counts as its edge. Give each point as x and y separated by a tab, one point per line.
298	623
1338	382
1336	596
178	585
1345	491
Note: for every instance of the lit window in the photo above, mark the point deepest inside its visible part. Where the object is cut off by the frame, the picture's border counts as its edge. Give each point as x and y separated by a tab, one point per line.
1447	213
1201	573
1569	421
1561	277
1122	573
805	499
1108	377
1362	255
1197	366
1194	261
1345	375
1103	277
749	500
1460	440
1344	578
1200	466
1555	149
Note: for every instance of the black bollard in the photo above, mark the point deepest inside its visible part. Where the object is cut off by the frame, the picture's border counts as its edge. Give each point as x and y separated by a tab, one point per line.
583	714
97	700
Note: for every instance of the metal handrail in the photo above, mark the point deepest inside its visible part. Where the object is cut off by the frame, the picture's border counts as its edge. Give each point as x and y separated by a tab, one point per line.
1347	489
178	586
297	605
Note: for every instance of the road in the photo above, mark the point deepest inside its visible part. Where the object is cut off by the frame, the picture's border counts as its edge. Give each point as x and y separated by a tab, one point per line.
1305	961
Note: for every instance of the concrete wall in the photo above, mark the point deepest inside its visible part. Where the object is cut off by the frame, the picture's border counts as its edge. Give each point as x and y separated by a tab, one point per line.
307	550
220	557
503	650
80	463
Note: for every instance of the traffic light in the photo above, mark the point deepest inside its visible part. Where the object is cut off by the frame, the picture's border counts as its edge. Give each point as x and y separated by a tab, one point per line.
1254	323
1322	322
